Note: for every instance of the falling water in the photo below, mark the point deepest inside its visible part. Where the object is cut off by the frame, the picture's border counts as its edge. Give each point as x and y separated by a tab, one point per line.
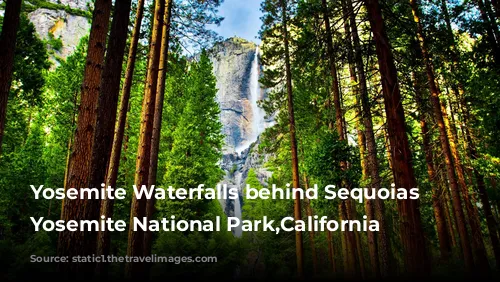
237	213
257	125
258	114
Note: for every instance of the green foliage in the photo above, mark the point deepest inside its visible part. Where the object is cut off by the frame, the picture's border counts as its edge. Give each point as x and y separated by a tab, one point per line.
197	138
55	43
30	62
31	5
222	245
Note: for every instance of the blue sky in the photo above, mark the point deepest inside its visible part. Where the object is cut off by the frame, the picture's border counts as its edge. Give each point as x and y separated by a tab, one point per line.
241	18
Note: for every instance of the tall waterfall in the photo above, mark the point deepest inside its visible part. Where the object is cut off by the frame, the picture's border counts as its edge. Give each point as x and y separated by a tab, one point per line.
257	121
237	68
258	114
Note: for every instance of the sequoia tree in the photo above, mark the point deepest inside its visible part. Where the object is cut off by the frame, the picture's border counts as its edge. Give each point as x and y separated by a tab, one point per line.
84	242
7	48
412	237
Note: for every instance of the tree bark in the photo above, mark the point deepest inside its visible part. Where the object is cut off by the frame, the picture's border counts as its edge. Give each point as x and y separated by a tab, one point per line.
293	142
8	40
380	267
138	208
106	110
109	92
492	33
339	124
84	242
458	90
331	251
443	236
483	194
444	140
70	146
482	265
312	240
412	237
158	112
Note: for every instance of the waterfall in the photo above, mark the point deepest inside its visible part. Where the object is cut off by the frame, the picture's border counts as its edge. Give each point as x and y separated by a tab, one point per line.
258	114
237	213
257	127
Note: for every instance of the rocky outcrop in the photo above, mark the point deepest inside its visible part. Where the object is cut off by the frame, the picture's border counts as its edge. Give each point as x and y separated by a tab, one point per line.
67	27
64	20
232	64
237	72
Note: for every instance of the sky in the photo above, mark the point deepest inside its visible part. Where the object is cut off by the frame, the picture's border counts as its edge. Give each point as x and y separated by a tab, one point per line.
241	18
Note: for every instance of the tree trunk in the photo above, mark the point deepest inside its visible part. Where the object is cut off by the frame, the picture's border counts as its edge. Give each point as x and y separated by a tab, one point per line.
379	267
70	146
138	208
109	92
7	51
351	238
492	33
412	237
331	251
444	139
84	242
158	111
293	143
443	236
483	195
312	240
355	90
458	90
472	212
450	218
106	109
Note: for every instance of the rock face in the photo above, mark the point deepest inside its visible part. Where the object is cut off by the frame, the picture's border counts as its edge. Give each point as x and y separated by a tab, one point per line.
67	27
237	69
62	20
233	61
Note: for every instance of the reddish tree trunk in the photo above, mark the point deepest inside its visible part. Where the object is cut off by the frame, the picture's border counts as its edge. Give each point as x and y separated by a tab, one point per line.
309	212
84	242
138	207
444	140
345	210
412	237
293	143
443	236
106	110
158	112
7	50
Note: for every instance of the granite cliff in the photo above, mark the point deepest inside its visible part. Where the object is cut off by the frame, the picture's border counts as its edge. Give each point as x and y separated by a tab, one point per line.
237	68
64	20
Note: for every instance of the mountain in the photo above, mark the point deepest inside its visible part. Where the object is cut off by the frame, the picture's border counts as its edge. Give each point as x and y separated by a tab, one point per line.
236	66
